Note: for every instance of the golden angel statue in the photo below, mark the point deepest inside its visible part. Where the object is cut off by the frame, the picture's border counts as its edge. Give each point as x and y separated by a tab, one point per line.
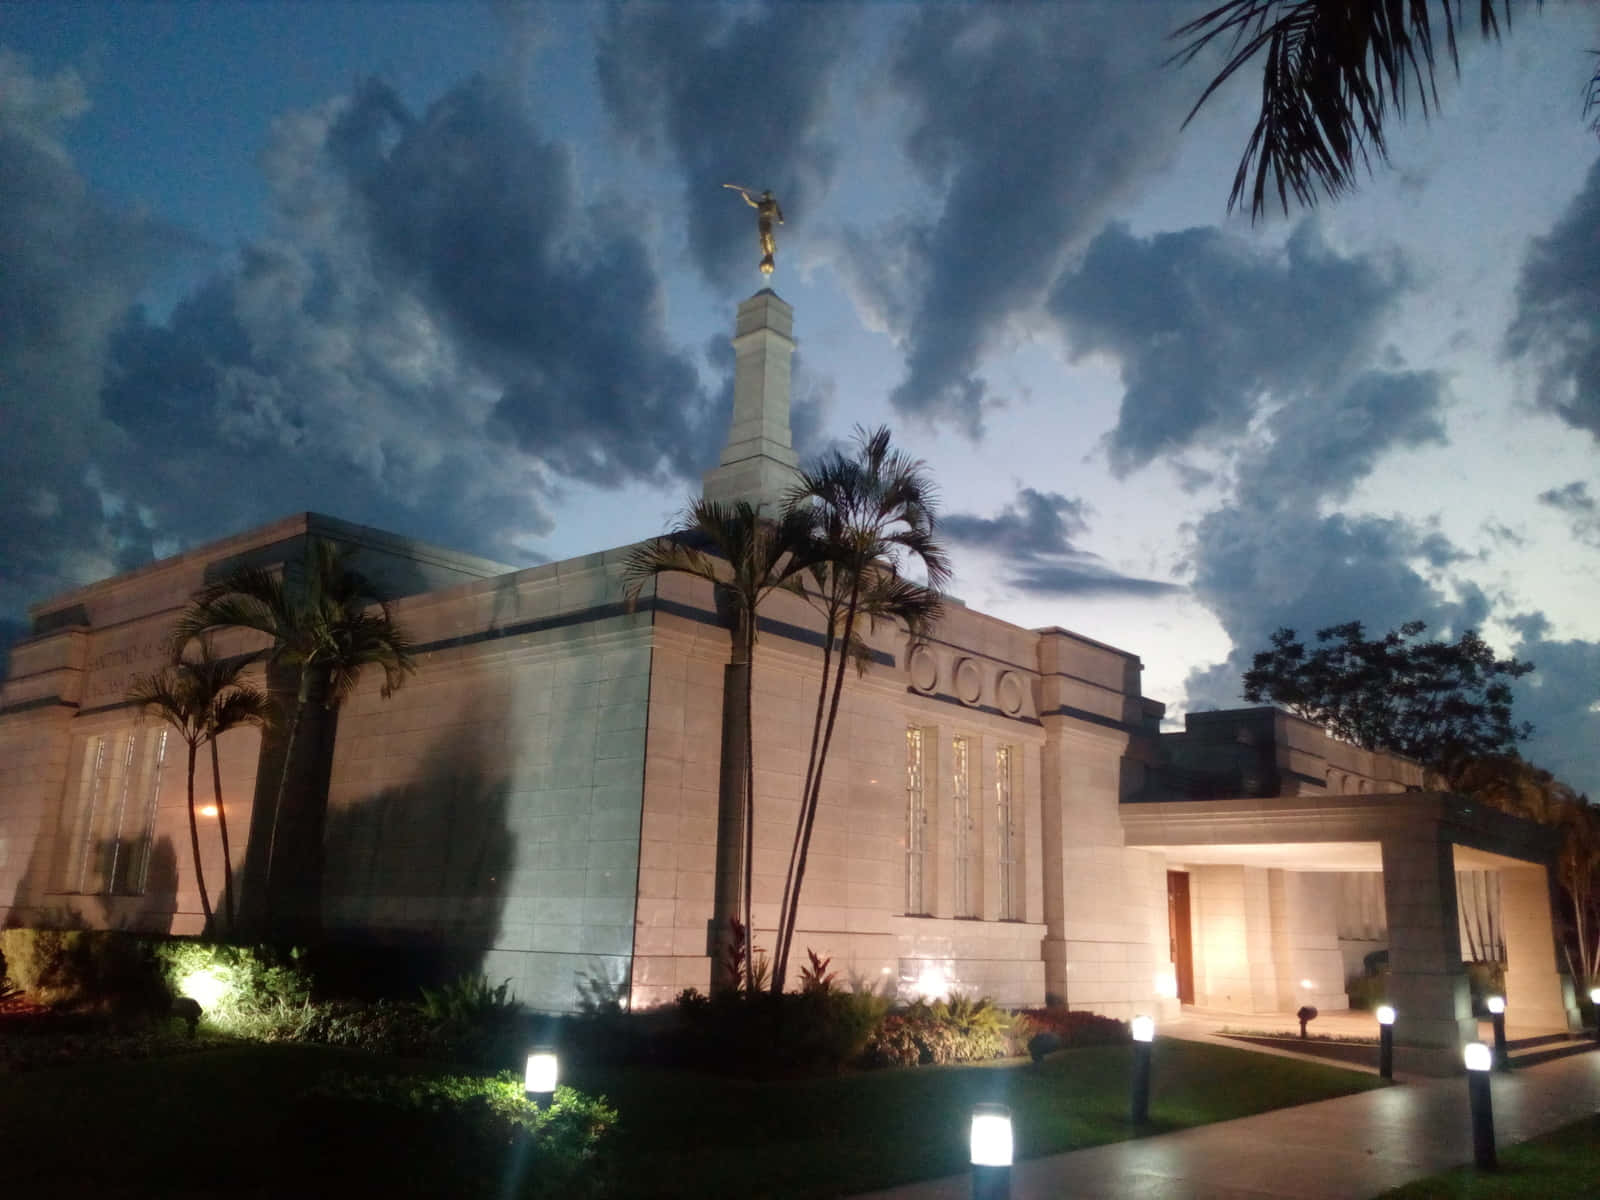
767	211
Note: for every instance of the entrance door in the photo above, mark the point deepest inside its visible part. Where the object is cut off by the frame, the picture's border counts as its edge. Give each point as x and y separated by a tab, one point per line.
1179	943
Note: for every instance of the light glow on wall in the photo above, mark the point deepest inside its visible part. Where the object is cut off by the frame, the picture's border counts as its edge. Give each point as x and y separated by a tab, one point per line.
1166	985
991	1136
1144	1029
1594	995
208	810
1308	984
1477	1056
933	982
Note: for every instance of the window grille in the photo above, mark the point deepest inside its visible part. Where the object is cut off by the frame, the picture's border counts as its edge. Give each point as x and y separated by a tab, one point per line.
965	833
916	825
1009	837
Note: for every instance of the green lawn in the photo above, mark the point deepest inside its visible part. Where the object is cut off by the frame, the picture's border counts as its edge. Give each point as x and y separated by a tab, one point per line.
1563	1163
222	1123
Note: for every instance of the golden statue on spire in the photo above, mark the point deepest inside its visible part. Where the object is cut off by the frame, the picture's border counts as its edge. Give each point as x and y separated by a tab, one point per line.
767	211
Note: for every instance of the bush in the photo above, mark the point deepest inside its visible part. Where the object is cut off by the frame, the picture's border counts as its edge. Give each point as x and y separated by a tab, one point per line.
1366	992
1485	979
1076	1027
82	968
959	1029
488	1123
249	991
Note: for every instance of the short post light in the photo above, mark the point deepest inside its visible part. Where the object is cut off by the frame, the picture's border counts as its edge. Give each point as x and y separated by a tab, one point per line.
540	1080
991	1152
1386	1040
1479	1059
1497	1013
1594	1000
1144	1033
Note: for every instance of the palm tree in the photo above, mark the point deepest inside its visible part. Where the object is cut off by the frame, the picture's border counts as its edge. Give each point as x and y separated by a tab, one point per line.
202	699
1334	71
745	557
875	515
322	627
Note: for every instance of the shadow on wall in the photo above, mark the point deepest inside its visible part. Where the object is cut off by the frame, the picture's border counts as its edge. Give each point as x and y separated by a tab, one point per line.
149	910
422	866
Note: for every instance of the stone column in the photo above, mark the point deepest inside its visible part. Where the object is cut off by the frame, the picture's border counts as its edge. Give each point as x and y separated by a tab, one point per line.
758	462
1536	1001
1427	983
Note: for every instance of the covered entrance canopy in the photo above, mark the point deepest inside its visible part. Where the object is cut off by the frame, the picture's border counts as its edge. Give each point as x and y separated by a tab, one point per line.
1417	840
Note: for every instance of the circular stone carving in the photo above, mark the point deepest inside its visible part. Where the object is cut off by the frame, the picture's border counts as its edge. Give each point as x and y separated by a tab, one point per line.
924	668
1009	692
969	681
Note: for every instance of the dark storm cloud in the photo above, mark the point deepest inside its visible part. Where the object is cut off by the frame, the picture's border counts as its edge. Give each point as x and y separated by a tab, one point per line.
437	333
1203	328
1562	700
1030	125
1579	507
735	95
1556	326
1034	537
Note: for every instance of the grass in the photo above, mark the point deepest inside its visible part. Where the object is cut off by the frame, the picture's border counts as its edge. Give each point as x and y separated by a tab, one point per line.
221	1123
1562	1163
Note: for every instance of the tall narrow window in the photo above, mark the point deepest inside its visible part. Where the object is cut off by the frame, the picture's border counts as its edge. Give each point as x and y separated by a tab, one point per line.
916	825
118	788
1010	838
966	842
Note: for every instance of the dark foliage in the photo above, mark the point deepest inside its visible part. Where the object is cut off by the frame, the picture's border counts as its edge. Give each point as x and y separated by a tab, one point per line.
1436	702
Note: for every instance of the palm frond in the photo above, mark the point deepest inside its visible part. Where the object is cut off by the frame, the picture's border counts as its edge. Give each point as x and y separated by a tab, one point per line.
1333	72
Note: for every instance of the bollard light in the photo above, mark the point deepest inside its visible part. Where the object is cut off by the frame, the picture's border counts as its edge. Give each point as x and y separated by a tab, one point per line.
1386	1041
991	1152
1594	999
1497	1013
1478	1060
1144	1032
540	1079
1594	995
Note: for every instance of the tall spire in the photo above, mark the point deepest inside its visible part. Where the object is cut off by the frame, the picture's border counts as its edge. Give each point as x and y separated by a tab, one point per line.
758	464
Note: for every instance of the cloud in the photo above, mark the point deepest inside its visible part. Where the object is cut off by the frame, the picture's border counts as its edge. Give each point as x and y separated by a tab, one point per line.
1579	507
1556	326
1562	699
438	333
1205	328
1028	126
1034	535
732	96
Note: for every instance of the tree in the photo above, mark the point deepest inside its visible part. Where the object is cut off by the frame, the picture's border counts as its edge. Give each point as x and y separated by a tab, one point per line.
323	628
1334	74
202	699
1436	702
745	557
875	515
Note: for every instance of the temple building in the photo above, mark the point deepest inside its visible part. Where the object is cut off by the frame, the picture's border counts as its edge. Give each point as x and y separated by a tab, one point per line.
1001	813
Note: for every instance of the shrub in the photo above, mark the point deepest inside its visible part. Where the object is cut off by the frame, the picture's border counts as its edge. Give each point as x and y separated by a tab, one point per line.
1076	1027
249	991
959	1029
468	1000
488	1122
82	967
1041	1044
1367	991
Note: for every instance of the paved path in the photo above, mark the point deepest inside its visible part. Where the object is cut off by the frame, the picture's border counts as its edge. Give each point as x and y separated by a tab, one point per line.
1350	1148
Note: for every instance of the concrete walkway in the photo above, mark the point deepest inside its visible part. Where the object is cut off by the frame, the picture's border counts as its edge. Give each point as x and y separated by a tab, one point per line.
1350	1148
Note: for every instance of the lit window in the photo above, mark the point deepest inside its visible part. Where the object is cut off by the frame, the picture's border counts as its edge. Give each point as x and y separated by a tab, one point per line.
1009	837
916	826
965	834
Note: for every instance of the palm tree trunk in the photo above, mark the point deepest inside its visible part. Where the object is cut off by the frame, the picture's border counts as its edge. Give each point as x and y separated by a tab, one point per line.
194	843
750	808
222	828
283	787
780	949
810	803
